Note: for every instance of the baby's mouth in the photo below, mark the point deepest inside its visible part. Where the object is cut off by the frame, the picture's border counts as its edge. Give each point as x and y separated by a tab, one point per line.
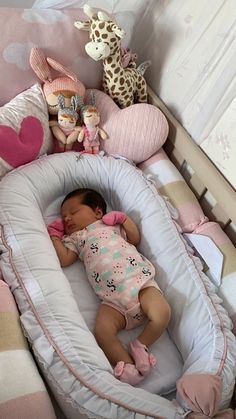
70	227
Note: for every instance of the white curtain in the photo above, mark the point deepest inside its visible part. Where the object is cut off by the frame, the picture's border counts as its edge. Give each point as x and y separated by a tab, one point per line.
192	45
126	13
111	6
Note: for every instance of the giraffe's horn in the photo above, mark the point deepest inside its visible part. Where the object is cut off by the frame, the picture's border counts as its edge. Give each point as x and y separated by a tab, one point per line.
89	11
103	17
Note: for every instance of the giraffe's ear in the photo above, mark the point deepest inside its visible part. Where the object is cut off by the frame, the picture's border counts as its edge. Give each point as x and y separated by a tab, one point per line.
89	11
118	31
85	26
103	17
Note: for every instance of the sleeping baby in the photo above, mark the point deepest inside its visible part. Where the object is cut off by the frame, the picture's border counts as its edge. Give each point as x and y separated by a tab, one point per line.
121	277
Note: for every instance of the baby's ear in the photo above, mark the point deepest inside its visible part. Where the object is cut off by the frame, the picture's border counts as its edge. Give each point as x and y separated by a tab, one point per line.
99	213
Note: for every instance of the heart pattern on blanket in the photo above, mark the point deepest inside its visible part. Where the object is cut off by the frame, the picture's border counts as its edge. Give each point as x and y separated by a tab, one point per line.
136	132
20	148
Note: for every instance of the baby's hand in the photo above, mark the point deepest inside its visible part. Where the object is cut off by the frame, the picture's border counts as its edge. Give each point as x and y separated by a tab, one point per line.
114	217
56	228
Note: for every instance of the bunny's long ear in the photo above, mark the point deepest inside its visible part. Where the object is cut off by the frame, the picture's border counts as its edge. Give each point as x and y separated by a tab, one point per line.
61	68
73	102
39	64
78	101
92	98
61	102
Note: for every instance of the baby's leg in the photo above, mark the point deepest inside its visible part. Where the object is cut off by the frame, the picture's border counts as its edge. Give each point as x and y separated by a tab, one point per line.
108	323
157	311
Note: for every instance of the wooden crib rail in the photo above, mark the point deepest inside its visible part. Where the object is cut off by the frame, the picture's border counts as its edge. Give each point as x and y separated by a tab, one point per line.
215	194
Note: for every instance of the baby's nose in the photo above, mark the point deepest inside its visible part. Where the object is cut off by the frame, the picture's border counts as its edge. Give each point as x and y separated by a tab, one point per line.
67	218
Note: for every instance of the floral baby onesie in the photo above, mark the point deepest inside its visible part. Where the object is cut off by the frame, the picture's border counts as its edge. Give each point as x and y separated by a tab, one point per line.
115	269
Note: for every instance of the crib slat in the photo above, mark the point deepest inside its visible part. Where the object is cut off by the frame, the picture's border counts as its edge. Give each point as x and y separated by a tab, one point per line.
219	214
230	230
220	188
174	155
207	202
197	186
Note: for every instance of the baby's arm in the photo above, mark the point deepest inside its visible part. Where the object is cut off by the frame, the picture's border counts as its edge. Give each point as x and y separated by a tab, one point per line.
131	230
65	255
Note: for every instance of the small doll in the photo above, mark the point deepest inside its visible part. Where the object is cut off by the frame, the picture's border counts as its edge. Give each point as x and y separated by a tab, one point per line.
65	129
91	132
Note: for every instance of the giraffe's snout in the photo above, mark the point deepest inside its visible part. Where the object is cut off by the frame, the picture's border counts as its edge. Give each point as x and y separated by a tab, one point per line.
97	50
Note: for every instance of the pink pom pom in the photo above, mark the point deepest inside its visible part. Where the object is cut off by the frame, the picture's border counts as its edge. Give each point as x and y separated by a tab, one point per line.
114	217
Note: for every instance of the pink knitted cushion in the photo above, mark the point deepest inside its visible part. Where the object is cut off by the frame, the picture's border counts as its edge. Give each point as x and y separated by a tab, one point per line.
136	132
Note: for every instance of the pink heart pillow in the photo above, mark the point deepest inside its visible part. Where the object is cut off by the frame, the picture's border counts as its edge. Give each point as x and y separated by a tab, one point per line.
20	148
24	129
136	132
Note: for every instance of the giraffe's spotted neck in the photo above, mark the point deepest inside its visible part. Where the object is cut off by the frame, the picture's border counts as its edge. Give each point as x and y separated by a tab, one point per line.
114	58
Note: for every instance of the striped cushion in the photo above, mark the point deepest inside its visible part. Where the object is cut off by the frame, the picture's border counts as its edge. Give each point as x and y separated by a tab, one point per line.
227	290
171	184
22	391
191	218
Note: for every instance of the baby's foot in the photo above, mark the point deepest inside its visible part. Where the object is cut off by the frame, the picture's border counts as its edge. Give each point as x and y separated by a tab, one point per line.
144	361
127	373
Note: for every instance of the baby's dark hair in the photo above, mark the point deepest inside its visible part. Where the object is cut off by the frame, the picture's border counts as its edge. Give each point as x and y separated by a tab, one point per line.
88	197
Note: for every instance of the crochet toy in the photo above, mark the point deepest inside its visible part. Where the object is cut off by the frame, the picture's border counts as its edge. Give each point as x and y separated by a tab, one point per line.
65	130
128	58
124	85
67	85
91	132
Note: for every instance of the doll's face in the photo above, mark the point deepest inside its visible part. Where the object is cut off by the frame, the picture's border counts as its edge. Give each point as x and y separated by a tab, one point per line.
52	100
66	120
91	118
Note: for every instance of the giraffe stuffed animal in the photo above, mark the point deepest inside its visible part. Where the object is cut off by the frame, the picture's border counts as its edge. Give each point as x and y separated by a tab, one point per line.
124	85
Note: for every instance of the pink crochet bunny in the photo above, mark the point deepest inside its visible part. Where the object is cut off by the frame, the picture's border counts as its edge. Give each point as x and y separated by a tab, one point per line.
67	85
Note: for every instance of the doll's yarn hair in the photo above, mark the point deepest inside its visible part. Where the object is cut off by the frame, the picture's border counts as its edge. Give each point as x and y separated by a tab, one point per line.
90	108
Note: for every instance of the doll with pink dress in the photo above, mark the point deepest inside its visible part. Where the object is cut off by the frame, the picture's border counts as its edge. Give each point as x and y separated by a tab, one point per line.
91	132
67	131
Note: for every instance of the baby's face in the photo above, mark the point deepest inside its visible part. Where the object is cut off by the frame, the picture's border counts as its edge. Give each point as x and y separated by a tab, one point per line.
77	216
